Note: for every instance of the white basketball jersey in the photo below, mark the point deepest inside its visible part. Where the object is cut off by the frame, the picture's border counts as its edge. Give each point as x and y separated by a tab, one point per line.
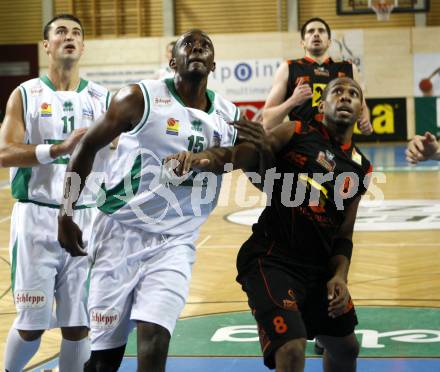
138	193
50	116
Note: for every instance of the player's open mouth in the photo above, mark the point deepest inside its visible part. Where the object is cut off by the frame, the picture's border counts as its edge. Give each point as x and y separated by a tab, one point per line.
344	110
70	47
198	60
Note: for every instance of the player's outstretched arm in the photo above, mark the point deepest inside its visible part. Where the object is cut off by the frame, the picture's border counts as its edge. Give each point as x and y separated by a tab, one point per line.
125	112
422	148
246	155
277	107
14	152
337	289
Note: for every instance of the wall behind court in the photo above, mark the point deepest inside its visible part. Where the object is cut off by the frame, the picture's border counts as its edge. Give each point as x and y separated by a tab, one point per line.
388	55
20	21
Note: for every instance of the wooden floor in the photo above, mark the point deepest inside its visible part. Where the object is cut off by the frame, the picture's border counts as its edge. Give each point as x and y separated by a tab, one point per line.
388	268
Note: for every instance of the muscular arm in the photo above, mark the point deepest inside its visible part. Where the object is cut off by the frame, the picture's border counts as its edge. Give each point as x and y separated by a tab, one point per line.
277	107
13	151
245	155
340	262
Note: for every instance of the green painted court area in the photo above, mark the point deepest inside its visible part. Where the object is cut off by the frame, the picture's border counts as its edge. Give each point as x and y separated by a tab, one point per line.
382	332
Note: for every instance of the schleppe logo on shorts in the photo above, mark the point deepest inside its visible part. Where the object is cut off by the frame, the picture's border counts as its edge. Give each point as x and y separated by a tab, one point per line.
104	319
30	299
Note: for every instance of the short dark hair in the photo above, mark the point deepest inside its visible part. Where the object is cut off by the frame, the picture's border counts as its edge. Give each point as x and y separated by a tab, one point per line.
315	19
70	17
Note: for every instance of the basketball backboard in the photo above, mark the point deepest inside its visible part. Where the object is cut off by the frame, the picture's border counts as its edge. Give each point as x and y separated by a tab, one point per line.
350	7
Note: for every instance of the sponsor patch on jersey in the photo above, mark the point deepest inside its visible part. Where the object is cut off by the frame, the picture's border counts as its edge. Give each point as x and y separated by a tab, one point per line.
36	91
222	115
68	106
196	125
104	318
30	299
87	114
326	160
173	126
45	110
321	71
216	139
162	101
95	94
304	79
356	157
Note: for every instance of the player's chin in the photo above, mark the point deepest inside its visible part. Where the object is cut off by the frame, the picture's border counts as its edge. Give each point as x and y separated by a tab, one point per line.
345	122
198	70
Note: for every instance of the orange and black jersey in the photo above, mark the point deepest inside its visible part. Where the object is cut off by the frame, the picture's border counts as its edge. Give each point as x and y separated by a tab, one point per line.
319	179
317	76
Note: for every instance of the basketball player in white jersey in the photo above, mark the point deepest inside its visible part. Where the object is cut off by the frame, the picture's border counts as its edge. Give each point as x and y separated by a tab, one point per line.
143	239
45	119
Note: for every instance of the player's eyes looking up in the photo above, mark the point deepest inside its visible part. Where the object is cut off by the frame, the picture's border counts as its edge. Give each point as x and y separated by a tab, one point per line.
63	30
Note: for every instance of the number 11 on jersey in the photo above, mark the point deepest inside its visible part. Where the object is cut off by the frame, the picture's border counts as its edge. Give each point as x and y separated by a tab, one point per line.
69	124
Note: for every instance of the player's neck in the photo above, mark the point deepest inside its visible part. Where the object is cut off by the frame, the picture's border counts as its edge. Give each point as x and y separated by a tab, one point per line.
192	92
319	59
340	134
64	78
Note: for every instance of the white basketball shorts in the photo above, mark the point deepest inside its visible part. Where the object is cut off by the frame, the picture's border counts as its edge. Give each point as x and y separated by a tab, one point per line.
135	276
41	270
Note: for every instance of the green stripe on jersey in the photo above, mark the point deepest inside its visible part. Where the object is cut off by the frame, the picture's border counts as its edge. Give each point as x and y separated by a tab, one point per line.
138	127
107	100
117	197
25	103
20	183
82	84
209	94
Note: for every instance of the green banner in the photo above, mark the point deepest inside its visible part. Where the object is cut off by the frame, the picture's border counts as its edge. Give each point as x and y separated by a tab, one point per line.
427	115
382	332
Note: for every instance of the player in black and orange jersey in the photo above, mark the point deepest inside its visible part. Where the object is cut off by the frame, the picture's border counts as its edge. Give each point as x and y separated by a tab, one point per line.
294	267
298	84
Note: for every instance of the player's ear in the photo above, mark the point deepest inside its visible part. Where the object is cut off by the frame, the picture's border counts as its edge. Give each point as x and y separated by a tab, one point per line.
213	67
321	107
45	45
172	63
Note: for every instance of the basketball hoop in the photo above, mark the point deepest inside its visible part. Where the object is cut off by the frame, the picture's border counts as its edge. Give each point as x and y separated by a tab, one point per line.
382	9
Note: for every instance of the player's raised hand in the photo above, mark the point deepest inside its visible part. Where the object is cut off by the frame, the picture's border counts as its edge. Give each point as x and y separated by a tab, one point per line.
338	296
70	236
302	93
364	125
421	148
182	162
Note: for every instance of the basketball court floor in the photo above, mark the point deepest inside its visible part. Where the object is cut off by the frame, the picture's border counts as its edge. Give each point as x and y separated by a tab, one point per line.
394	279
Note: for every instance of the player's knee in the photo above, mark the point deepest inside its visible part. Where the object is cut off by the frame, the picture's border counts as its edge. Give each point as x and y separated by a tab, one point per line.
153	341
30	335
99	366
105	360
291	353
74	333
154	347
